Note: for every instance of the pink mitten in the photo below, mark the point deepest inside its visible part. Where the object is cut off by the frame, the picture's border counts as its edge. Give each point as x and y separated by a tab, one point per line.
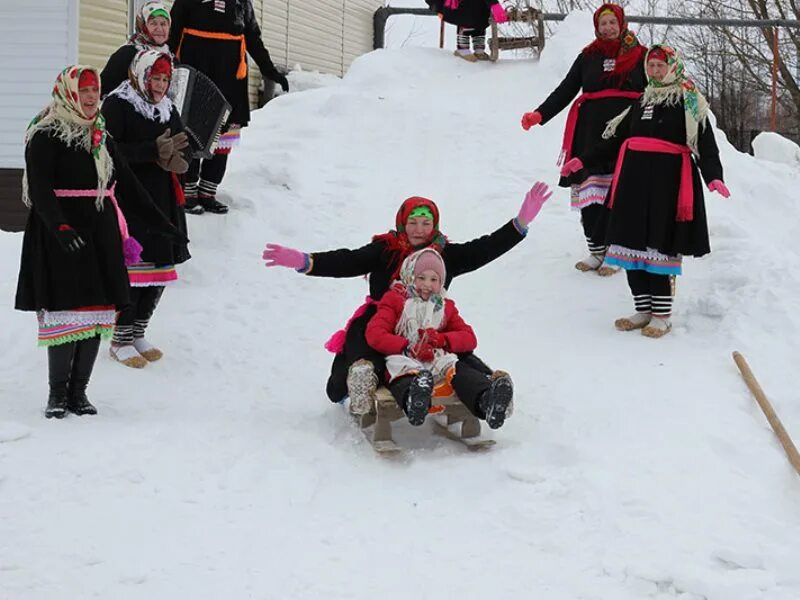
452	4
718	186
281	256
573	165
533	202
499	13
529	119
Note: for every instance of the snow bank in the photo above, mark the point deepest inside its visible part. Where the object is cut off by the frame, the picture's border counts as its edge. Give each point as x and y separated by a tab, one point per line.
773	147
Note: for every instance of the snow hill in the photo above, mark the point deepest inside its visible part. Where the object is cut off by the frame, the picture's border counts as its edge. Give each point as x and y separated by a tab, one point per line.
632	468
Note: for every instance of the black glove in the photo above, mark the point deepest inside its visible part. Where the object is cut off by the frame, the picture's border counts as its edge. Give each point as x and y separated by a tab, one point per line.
280	80
69	239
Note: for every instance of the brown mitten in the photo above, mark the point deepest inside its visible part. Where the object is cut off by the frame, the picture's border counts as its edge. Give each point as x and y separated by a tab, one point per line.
165	145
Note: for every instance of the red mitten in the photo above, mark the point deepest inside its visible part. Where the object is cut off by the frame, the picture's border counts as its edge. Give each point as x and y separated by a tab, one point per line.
422	351
435	338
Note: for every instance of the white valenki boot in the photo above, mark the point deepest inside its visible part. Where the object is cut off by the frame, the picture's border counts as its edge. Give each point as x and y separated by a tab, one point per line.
147	350
635	321
362	383
657	327
128	355
590	263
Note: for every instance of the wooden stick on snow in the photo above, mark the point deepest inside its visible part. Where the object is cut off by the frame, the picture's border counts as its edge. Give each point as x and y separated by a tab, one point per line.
774	421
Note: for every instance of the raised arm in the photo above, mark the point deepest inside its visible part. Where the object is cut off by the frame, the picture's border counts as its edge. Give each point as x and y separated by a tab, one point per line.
564	94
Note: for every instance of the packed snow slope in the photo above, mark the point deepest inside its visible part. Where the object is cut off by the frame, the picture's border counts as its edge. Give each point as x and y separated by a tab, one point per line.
633	468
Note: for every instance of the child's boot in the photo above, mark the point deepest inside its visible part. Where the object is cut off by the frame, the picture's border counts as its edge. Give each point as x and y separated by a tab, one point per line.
418	401
362	383
495	401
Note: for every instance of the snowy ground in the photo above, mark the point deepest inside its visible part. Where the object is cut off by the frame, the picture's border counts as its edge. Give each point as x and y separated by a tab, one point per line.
632	469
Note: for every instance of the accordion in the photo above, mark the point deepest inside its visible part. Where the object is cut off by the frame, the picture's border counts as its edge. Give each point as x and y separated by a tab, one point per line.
203	109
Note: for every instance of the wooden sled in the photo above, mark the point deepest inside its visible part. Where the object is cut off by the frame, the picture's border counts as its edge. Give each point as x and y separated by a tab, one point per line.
519	14
452	420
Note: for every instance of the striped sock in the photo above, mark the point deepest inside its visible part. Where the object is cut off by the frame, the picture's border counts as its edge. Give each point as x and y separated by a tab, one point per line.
123	335
139	327
190	190
479	43
662	306
208	188
595	248
643	303
462	41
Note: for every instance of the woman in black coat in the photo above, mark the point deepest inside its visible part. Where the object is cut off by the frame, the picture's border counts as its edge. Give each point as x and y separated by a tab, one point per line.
655	212
215	38
610	74
471	17
357	368
72	268
152	33
147	130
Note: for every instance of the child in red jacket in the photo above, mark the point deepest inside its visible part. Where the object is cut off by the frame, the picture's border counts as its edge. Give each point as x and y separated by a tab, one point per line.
421	332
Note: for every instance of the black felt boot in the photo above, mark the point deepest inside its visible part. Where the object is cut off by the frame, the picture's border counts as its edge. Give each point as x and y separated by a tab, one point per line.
59	366
82	365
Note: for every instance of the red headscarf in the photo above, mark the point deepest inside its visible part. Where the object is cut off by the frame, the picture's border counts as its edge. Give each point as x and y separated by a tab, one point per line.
626	49
162	66
397	243
88	78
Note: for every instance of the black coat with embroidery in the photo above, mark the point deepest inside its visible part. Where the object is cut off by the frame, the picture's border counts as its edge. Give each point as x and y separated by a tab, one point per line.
219	59
591	73
471	14
135	136
646	200
379	264
51	278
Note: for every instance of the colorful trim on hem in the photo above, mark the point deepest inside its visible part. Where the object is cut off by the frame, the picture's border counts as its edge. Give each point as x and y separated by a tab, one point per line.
649	260
229	140
591	191
55	335
150	275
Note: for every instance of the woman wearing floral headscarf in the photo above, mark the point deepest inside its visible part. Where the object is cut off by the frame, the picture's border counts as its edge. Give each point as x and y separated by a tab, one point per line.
152	32
147	130
610	76
655	209
76	242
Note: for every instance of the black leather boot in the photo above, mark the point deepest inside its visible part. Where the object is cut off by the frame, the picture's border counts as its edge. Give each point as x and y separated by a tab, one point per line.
82	365
59	365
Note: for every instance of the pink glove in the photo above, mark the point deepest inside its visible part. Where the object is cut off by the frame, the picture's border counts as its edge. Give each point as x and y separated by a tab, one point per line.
529	119
573	165
452	4
499	13
281	256
533	202
718	186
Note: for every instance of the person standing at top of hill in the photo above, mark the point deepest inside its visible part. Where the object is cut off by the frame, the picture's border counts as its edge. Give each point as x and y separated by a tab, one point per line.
610	74
215	37
471	17
152	32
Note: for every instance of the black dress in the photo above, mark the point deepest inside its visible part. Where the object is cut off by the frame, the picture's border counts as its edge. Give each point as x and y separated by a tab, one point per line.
220	59
52	279
135	137
591	73
470	14
375	260
645	204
